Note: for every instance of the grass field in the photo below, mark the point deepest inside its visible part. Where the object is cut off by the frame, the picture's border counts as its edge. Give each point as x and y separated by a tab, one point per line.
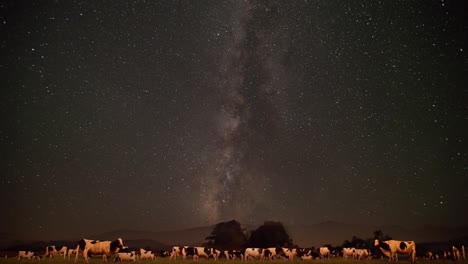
57	260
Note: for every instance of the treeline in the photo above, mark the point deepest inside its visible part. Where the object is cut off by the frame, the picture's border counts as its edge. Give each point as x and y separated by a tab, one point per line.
368	243
231	235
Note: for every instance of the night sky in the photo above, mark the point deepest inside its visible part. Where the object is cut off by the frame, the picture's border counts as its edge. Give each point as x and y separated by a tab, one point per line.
161	115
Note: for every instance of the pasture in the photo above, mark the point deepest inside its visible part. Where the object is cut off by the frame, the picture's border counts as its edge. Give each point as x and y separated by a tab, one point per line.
339	260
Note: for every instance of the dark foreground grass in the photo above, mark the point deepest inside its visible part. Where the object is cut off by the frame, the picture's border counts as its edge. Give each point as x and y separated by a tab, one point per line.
57	260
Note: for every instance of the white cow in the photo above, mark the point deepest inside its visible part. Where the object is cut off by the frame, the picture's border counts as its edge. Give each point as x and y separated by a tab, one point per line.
126	256
251	253
25	254
348	252
202	252
391	248
146	254
71	251
362	254
53	250
96	247
324	252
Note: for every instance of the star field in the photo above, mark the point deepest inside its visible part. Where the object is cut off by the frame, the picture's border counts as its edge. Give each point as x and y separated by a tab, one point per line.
165	115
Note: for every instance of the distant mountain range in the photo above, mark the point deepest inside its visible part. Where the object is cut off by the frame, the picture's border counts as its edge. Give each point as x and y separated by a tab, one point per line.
333	233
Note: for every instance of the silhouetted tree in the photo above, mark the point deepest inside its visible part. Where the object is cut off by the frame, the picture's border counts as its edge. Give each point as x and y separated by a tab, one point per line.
227	235
270	234
347	244
358	242
355	242
378	234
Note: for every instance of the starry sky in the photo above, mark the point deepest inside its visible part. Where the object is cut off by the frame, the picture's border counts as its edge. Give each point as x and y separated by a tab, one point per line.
161	115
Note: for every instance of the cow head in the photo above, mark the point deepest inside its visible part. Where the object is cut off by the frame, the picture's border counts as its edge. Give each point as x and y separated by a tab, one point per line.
382	245
116	245
164	253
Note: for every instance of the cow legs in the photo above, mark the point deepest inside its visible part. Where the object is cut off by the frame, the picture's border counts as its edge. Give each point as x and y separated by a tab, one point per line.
85	255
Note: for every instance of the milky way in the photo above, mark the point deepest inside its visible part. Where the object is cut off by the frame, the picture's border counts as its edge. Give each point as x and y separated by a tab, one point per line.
169	115
231	187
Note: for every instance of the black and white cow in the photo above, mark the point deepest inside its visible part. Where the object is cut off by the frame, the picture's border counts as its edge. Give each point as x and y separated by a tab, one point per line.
391	248
146	254
273	252
203	252
307	254
175	251
126	256
215	253
336	251
233	254
53	250
96	247
188	252
199	252
290	253
252	253
164	253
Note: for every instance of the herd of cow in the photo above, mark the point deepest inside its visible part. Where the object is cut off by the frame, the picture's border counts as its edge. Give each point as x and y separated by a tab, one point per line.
389	248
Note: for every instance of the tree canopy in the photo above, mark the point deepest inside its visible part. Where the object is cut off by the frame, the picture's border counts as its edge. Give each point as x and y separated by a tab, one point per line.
227	235
378	234
270	234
